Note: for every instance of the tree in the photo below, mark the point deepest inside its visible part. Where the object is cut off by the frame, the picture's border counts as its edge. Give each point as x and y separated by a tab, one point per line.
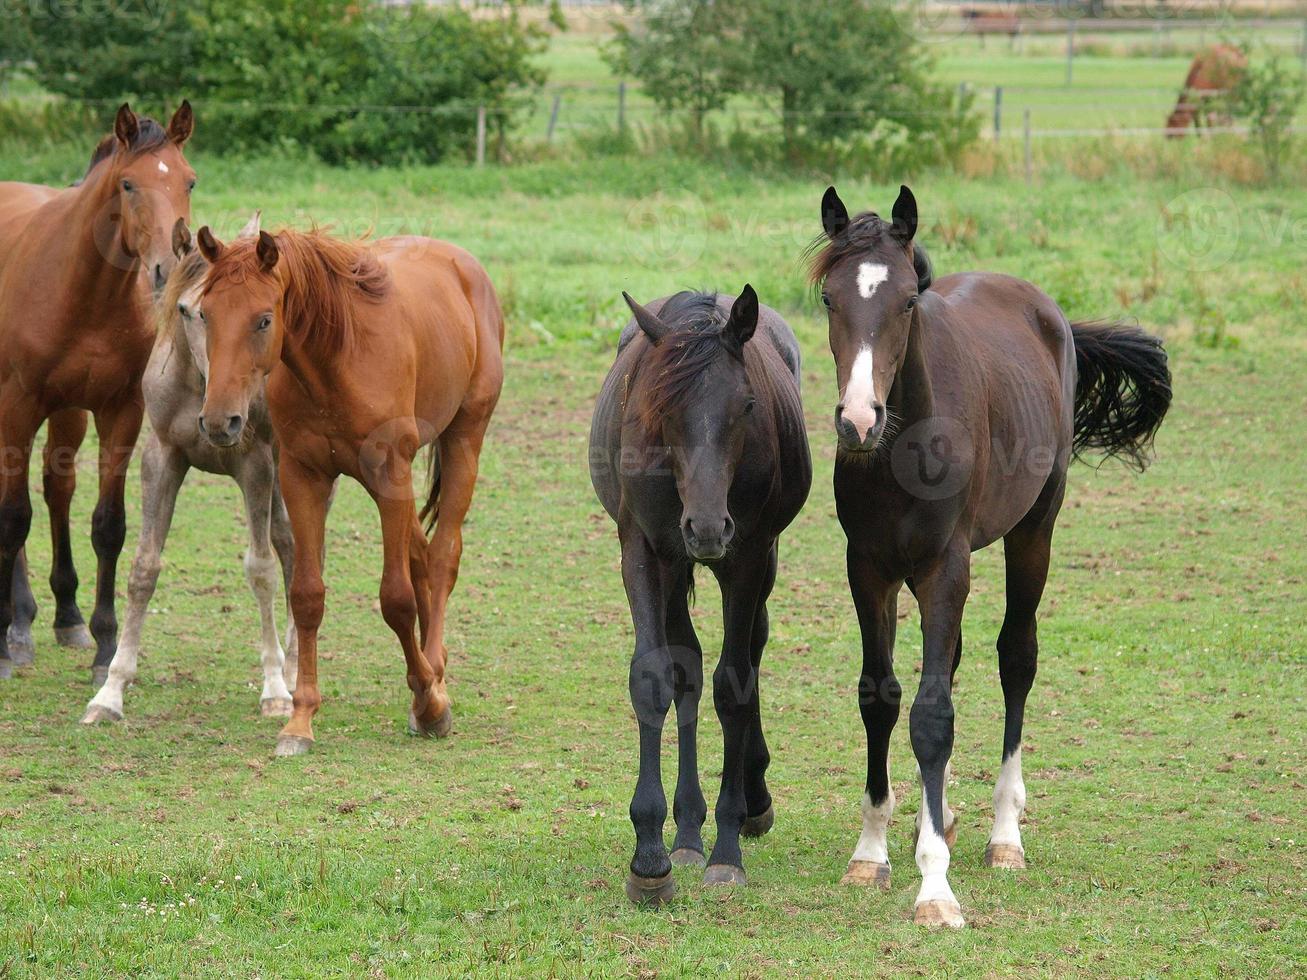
1268	96
836	71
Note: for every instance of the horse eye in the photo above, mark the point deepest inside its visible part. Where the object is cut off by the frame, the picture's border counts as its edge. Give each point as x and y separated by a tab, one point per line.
128	185
912	302
264	323
184	310
750	405
825	299
190	186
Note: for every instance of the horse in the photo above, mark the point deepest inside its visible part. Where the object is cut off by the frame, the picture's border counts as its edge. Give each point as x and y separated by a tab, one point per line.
699	454
1213	73
961	405
76	270
173	386
371	351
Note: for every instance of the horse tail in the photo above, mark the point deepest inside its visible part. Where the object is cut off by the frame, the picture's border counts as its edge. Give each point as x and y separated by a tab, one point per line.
1123	390
431	509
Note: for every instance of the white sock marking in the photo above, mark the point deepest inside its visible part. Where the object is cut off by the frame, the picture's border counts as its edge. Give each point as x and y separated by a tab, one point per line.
871	275
1009	802
873	844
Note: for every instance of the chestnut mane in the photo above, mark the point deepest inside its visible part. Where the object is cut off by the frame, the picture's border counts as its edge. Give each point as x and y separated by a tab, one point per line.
322	279
149	136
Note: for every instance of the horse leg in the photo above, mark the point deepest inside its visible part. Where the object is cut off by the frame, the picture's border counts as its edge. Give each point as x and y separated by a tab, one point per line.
22	651
257	477
735	695
756	756
64	434
307	496
460	449
162	471
417	570
651	684
18	425
689	808
942	594
950	821
117	430
1026	555
879	695
283	542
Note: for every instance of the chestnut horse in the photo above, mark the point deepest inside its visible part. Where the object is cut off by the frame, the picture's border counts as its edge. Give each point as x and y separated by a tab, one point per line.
699	453
76	267
371	351
960	408
1214	73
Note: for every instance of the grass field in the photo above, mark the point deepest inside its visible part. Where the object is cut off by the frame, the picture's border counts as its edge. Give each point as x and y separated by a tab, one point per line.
1164	741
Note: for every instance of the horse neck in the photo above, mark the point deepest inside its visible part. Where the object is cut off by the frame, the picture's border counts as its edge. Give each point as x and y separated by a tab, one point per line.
912	396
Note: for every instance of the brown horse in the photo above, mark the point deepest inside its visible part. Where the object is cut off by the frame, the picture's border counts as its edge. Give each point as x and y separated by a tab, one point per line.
1214	72
961	405
370	351
76	267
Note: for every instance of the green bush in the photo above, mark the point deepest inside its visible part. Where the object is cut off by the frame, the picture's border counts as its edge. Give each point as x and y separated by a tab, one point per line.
347	80
1268	96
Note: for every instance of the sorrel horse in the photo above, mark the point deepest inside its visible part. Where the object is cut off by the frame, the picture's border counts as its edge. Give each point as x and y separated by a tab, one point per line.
960	408
173	386
76	266
1212	74
371	351
698	451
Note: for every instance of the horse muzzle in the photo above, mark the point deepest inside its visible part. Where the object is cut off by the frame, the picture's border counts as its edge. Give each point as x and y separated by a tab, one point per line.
706	539
222	430
860	431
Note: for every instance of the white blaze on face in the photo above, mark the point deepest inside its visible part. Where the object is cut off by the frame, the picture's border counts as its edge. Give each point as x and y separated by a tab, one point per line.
860	394
871	275
163	167
1009	802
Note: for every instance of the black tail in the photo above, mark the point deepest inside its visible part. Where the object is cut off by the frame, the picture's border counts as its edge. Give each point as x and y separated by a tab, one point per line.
1122	392
431	509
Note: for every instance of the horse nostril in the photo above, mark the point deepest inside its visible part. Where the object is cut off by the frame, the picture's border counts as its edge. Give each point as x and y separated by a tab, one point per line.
234	424
728	531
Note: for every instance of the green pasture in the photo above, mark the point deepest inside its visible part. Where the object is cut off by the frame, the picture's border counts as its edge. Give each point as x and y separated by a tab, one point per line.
1164	743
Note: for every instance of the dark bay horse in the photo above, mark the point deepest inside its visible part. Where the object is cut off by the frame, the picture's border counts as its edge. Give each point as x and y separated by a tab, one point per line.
698	451
76	270
173	386
371	351
960	409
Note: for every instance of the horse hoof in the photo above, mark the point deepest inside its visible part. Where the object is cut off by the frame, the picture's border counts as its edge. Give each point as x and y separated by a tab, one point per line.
78	637
276	707
1008	856
96	713
99	674
868	874
650	891
288	745
684	856
724	874
21	650
939	912
439	728
759	825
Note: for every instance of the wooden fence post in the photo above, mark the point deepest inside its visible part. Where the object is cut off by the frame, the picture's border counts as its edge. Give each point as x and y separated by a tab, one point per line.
553	118
621	106
1026	128
998	111
481	136
1070	47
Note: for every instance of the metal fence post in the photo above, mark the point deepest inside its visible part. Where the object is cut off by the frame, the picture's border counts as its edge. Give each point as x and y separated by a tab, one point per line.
621	106
998	111
1026	129
481	136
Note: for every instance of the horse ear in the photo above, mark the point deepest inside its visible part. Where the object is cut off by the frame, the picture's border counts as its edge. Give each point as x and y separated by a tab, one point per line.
653	327
210	247
267	251
181	239
925	268
182	123
743	320
834	215
126	126
905	216
251	229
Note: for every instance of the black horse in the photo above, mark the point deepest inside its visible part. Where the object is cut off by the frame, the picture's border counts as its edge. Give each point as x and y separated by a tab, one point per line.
698	451
960	409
